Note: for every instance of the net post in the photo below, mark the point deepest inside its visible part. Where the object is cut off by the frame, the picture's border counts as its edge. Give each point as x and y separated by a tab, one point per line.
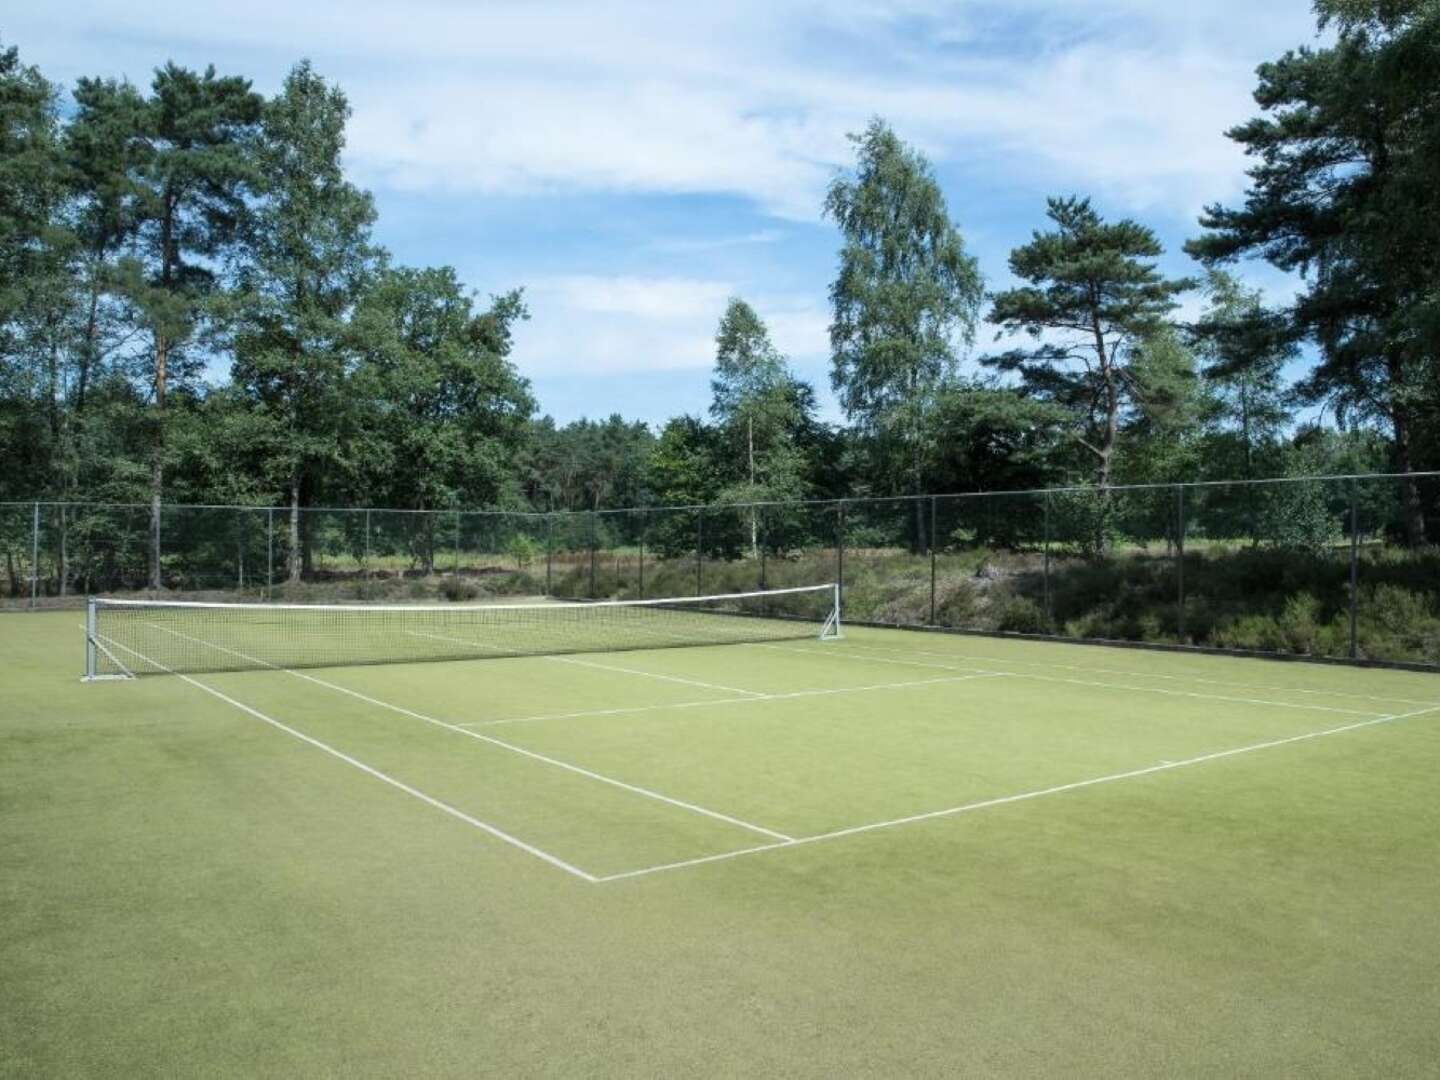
933	534
1354	569
1180	563
91	667
35	555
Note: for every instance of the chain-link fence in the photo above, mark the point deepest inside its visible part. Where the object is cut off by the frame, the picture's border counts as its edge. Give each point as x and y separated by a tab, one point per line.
1343	567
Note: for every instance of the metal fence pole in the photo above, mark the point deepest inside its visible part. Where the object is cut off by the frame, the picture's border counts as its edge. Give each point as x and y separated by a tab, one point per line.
644	535
34	554
155	579
700	552
369	573
456	561
933	537
1180	564
764	541
1354	570
64	554
593	520
1049	615
270	553
840	549
549	548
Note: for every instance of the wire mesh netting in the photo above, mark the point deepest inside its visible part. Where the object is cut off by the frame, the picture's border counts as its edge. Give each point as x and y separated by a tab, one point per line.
140	637
1332	567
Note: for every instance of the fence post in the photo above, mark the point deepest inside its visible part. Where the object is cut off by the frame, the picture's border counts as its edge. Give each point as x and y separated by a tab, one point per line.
369	572
644	528
1354	569
1049	616
764	541
700	552
456	571
549	548
34	554
1180	563
592	554
933	537
157	512
840	549
64	554
270	553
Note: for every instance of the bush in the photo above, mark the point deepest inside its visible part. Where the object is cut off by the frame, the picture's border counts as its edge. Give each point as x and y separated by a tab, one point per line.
458	589
1021	615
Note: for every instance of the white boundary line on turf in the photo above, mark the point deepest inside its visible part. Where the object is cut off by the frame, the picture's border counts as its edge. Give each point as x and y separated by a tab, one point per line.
1021	797
600	777
370	770
860	652
1153	675
787	696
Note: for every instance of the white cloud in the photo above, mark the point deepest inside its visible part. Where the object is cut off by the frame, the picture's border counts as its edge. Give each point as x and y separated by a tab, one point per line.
592	324
746	98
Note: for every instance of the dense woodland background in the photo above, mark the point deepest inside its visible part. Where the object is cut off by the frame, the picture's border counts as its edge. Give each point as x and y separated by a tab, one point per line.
193	310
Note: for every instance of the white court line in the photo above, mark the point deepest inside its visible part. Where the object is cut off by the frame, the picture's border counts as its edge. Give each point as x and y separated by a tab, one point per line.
370	770
1021	797
1154	675
735	700
861	652
632	788
593	664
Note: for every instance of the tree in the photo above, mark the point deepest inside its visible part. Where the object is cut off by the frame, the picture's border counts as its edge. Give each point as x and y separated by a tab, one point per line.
309	260
1244	348
754	402
191	184
1344	193
1092	297
36	287
905	294
444	411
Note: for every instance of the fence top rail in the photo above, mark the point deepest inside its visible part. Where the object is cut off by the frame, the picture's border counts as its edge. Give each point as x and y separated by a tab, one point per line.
761	504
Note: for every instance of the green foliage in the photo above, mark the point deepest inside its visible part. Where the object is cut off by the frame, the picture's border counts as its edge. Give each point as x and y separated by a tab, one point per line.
905	294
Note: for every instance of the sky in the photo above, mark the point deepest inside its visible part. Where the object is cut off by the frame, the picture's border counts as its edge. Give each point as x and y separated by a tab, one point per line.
633	165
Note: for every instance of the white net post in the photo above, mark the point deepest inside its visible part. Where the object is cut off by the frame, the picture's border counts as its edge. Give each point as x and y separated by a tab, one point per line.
90	665
831	630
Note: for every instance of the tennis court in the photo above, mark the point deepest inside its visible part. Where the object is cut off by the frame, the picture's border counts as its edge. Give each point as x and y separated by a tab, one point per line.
589	840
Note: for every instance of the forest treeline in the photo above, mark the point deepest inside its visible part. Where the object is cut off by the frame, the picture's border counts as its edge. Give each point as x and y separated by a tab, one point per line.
193	308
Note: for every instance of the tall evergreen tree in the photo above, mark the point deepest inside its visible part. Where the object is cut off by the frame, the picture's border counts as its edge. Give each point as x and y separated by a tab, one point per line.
1344	193
310	260
1092	297
906	294
191	185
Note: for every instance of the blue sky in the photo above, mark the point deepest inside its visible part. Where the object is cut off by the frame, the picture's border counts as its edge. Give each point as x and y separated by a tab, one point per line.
632	165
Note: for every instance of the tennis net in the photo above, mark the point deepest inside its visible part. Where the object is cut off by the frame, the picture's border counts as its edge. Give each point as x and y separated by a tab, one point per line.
126	638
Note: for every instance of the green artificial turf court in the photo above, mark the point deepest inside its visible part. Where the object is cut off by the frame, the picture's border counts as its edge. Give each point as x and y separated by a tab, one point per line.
891	854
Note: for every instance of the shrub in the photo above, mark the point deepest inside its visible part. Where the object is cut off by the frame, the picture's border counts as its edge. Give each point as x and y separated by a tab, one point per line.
458	589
